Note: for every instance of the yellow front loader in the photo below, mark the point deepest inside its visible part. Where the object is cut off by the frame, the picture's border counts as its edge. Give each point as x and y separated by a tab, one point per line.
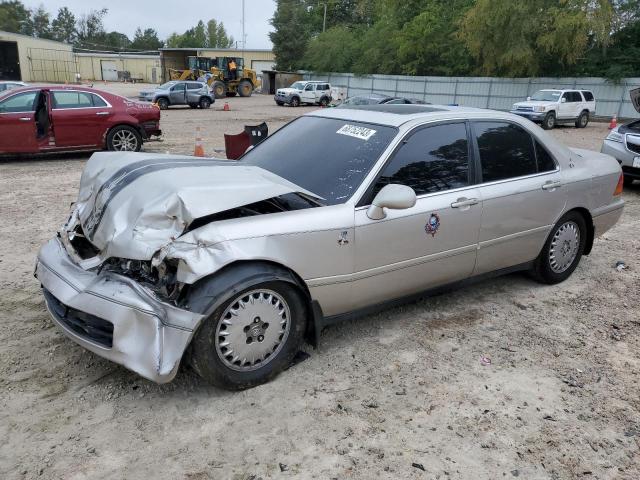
215	71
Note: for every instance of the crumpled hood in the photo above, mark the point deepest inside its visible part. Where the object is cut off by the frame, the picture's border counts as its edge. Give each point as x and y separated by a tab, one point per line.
132	204
288	90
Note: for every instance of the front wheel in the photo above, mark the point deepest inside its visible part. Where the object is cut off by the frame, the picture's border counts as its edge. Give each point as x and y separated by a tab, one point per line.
219	89
251	337
245	88
163	103
582	120
279	103
562	250
295	102
549	121
124	139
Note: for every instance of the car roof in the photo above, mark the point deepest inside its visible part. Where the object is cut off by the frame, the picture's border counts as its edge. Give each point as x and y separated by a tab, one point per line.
564	90
397	115
57	88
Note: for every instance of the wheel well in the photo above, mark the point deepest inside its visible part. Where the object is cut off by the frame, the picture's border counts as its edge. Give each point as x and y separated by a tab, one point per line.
162	97
588	220
236	271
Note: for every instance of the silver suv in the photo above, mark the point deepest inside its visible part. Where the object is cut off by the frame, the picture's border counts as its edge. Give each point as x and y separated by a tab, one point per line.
176	92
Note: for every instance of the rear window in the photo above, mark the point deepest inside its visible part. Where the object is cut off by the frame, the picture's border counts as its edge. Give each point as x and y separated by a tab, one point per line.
588	96
326	156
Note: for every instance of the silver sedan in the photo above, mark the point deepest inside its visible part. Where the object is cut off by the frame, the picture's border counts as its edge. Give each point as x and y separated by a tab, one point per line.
341	212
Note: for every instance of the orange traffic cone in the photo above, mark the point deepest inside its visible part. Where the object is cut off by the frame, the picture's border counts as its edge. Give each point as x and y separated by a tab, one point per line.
226	107
198	151
614	122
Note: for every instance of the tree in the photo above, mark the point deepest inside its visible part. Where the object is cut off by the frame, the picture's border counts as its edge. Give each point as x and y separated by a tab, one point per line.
222	39
63	27
199	35
147	40
528	38
292	33
14	17
90	28
39	23
212	33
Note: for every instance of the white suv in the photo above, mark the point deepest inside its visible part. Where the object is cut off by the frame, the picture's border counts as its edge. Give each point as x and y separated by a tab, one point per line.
550	107
316	93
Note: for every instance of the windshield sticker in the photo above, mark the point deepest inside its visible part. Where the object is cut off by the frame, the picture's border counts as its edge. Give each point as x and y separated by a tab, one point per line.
362	133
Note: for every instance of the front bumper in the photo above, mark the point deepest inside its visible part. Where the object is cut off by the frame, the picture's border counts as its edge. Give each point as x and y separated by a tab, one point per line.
282	98
113	316
619	151
533	116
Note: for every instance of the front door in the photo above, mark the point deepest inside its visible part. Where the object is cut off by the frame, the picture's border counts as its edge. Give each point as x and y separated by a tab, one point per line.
79	118
309	93
18	123
432	243
522	195
177	94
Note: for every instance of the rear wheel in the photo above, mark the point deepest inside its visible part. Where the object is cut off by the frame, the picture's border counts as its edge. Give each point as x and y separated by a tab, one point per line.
124	138
245	89
205	103
549	121
163	103
324	101
562	250
219	89
251	337
295	102
582	120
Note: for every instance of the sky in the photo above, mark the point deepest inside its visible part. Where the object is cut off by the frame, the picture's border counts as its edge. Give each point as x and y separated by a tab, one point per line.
175	16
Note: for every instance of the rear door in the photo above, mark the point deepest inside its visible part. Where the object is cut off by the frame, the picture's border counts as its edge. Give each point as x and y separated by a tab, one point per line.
432	243
80	119
522	194
193	92
17	123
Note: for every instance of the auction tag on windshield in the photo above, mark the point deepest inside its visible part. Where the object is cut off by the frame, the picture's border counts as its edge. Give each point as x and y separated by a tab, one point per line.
362	133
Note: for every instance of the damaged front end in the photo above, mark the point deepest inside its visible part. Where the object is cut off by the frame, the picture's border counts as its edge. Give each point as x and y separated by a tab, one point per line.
117	276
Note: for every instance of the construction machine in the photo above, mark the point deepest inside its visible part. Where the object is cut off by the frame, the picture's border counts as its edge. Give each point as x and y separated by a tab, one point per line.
215	71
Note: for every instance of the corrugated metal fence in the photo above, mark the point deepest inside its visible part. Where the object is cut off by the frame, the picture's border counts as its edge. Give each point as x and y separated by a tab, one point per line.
485	92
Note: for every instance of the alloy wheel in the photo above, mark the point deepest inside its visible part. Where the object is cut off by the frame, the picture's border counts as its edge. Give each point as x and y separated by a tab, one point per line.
124	141
564	247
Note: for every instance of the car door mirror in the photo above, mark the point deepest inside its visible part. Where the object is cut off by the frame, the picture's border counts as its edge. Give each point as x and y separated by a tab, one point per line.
563	100
394	196
528	99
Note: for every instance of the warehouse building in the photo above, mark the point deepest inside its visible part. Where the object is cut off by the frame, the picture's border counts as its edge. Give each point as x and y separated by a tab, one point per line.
113	67
176	58
35	60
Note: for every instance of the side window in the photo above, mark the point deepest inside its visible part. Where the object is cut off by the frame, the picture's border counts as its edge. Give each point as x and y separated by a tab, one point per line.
62	99
431	160
179	87
194	86
309	87
544	158
97	101
574	97
588	96
22	102
506	151
566	96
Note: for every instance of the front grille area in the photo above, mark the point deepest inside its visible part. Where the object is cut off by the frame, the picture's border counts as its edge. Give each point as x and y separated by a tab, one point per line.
634	147
525	109
83	324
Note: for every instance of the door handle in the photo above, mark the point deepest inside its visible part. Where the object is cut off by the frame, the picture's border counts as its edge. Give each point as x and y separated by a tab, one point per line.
25	119
102	113
464	202
551	185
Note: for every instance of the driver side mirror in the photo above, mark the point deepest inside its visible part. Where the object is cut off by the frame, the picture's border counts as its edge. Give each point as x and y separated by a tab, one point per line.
394	196
563	100
528	99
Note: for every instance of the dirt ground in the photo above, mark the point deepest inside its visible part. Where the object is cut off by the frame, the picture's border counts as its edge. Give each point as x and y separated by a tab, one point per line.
400	394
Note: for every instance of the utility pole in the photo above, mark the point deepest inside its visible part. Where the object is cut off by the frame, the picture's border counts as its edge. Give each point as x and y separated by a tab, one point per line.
324	19
244	38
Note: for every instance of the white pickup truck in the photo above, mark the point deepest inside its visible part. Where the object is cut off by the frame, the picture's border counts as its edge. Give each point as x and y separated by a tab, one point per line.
551	107
315	93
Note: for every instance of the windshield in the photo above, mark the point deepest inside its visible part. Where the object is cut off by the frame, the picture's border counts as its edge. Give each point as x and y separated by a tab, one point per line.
546	95
166	86
298	85
326	156
372	99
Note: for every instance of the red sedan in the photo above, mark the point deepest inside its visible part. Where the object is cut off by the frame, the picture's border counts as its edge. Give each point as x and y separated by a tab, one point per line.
60	118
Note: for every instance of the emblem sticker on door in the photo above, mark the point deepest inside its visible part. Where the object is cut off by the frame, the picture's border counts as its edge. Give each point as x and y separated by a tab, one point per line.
433	224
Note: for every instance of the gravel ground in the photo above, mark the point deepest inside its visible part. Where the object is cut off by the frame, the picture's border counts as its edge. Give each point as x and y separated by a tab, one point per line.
400	394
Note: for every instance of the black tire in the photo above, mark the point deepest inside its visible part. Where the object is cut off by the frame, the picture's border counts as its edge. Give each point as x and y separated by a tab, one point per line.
295	102
205	103
219	89
193	105
549	121
544	270
216	295
245	88
231	94
280	103
324	101
627	181
163	103
124	138
583	120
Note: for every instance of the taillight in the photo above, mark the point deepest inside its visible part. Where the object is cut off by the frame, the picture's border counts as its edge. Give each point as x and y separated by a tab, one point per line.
618	190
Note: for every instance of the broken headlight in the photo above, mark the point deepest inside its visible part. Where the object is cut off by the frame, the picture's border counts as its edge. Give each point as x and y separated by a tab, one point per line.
161	279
